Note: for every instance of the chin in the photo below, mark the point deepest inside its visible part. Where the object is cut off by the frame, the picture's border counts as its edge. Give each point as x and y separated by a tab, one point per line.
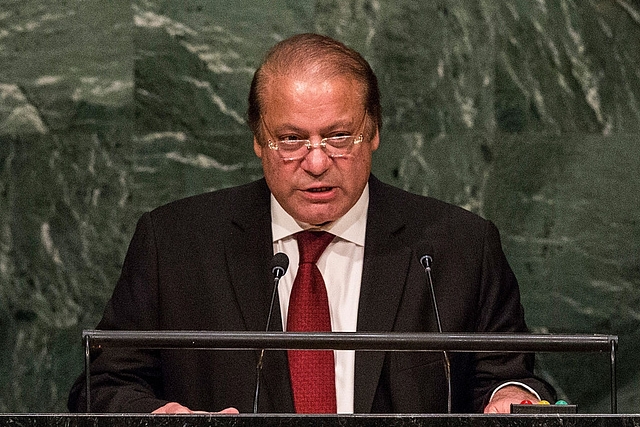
318	222
318	219
319	215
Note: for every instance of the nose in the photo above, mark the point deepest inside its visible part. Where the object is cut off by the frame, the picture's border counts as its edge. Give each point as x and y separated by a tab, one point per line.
316	162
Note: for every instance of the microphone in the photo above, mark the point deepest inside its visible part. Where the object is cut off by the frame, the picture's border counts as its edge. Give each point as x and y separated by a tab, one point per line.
278	266
427	261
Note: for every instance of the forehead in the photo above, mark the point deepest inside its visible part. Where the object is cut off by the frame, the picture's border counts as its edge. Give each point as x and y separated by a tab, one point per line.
312	99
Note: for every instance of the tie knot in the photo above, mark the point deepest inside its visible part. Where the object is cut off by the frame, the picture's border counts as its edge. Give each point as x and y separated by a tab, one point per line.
311	244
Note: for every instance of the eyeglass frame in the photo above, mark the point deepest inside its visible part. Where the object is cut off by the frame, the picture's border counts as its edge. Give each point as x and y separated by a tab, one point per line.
310	146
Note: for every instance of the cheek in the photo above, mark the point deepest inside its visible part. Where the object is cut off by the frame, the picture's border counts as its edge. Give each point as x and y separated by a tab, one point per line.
277	174
270	165
362	166
270	172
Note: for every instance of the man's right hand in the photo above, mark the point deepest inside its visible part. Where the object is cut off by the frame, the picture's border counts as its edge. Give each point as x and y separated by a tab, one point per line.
176	408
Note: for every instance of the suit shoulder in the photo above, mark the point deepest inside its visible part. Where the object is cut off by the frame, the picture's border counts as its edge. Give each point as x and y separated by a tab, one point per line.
216	202
418	208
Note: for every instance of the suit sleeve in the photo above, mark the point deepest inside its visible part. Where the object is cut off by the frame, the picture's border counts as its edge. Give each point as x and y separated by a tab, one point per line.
500	310
127	380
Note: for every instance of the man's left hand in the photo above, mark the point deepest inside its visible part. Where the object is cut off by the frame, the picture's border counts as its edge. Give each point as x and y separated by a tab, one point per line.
503	398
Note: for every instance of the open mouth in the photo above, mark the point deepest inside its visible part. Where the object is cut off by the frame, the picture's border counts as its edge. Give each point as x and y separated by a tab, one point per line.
319	189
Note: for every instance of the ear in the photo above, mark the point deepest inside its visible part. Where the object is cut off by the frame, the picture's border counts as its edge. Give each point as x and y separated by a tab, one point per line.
375	141
257	148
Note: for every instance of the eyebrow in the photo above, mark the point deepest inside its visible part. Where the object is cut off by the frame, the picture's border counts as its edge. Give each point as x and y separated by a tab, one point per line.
286	127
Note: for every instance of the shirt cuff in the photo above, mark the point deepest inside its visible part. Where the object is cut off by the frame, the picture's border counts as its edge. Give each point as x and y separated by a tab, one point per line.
516	383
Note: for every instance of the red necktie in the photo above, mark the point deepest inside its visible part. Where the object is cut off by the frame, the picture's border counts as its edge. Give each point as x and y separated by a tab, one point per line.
312	371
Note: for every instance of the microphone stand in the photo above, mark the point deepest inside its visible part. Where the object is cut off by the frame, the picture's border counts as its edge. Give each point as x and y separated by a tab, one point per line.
426	261
280	263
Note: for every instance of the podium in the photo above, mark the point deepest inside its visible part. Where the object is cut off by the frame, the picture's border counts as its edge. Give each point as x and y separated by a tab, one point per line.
250	420
362	341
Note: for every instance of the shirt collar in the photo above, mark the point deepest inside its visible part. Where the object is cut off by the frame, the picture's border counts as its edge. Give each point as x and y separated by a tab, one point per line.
351	226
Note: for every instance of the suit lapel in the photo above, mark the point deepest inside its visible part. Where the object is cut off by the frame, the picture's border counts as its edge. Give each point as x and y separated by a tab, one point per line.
386	262
249	249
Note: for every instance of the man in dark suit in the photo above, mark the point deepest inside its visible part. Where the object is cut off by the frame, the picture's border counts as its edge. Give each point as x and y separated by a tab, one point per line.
202	264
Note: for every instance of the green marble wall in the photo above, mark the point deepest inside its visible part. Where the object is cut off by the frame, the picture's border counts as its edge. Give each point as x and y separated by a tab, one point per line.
524	111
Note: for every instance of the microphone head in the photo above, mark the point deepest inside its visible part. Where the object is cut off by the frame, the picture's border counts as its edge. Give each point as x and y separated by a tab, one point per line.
279	264
423	251
426	261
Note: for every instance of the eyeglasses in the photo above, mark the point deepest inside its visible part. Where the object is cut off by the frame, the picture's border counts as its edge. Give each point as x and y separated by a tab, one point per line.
291	148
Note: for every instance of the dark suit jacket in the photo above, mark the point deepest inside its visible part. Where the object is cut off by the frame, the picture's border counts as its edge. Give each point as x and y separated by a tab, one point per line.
201	263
